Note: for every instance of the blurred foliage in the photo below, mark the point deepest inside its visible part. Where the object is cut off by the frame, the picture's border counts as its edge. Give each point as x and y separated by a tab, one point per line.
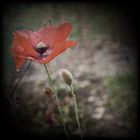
122	90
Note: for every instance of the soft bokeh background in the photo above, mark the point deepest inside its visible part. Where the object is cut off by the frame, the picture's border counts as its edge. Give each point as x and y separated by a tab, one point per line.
104	67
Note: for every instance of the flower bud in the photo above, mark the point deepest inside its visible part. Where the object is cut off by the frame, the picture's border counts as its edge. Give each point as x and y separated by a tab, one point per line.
67	76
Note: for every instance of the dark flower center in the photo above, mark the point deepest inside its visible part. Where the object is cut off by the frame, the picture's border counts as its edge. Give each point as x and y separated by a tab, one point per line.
41	48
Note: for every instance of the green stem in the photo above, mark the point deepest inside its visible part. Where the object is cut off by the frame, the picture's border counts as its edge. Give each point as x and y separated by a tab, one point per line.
50	23
75	109
11	94
50	80
20	78
57	101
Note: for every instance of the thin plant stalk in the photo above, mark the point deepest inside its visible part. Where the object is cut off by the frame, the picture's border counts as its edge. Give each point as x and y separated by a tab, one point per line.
20	78
9	96
75	109
57	101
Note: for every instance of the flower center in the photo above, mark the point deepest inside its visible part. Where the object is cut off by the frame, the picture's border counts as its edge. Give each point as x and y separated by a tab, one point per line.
41	48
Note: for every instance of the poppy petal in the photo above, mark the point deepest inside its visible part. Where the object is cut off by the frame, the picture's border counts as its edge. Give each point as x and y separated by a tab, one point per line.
62	33
54	53
54	35
58	50
22	39
21	48
70	44
47	35
19	60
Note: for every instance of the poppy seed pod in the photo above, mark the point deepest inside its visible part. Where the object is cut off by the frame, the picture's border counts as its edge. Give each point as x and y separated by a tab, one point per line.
67	76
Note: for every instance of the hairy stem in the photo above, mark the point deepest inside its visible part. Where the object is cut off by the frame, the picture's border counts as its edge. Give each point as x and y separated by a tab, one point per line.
57	100
75	109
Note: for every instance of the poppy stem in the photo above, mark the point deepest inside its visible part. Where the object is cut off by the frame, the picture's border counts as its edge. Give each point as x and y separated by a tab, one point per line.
75	109
57	101
17	83
10	95
50	23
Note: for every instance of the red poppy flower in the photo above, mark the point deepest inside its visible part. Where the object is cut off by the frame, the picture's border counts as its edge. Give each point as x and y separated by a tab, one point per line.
42	45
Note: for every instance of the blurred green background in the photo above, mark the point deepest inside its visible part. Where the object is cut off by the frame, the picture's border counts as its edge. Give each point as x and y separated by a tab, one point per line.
104	67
